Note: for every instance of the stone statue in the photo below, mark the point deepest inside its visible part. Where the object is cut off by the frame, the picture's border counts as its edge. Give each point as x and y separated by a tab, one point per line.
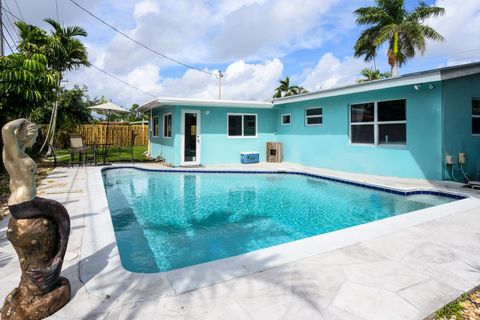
38	230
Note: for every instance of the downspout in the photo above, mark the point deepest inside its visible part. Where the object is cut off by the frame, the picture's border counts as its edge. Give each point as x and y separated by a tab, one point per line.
149	150
444	151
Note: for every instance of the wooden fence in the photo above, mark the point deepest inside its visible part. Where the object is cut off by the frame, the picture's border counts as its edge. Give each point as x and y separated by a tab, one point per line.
118	135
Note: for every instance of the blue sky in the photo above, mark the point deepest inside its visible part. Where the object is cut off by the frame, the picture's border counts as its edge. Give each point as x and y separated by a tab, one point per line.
254	42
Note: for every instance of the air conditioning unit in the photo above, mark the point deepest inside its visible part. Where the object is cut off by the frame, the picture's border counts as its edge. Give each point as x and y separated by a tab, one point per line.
274	152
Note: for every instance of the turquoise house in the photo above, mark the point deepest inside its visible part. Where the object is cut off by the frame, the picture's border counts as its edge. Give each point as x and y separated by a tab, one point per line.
421	125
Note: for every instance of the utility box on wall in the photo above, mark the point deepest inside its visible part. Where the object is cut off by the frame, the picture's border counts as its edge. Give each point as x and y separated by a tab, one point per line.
274	152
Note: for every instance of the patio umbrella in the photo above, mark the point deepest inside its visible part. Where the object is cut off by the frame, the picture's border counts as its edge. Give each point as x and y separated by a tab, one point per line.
107	109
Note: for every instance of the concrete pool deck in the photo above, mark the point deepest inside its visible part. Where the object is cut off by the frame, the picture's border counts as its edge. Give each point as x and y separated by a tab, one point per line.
403	267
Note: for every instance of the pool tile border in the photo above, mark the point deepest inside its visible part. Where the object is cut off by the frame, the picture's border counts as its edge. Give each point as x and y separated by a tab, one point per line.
451	195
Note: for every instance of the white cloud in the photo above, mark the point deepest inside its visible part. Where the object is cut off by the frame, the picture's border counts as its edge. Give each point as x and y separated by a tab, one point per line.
242	81
331	72
263	29
460	26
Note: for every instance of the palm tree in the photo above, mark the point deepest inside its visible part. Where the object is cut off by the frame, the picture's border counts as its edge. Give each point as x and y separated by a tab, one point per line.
372	74
65	53
285	89
404	31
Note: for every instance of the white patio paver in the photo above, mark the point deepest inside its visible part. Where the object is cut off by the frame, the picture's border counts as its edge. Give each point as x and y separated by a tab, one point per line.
402	273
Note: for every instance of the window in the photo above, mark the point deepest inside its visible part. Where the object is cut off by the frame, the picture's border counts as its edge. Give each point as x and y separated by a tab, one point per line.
167	125
476	116
392	122
382	123
362	123
313	117
242	125
285	119
155	126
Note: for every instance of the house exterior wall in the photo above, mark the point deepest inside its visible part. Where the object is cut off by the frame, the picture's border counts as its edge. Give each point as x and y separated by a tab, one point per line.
168	148
328	146
438	122
216	146
458	94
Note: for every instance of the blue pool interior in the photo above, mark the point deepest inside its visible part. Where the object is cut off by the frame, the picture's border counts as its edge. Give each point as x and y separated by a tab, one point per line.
170	220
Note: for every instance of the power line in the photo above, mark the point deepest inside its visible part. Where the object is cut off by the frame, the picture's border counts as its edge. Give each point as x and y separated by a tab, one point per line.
141	44
56	7
122	81
8	44
10	22
12	14
19	11
8	31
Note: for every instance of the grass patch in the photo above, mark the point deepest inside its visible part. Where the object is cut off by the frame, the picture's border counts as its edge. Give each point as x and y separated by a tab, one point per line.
115	155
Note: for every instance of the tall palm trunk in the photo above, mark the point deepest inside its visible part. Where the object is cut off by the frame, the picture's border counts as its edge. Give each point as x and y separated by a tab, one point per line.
394	68
394	58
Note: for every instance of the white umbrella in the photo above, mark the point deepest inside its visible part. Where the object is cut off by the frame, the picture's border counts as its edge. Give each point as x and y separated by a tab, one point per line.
107	109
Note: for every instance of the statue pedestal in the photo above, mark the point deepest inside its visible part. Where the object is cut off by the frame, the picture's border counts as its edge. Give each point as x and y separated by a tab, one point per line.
20	304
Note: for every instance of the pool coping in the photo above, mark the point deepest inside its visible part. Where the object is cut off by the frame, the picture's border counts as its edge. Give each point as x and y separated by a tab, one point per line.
99	234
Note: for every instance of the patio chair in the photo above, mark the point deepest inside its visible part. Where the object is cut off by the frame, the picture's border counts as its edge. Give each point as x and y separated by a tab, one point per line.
77	145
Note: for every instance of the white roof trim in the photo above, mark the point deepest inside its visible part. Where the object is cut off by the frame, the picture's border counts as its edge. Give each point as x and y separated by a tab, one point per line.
367	86
405	80
187	102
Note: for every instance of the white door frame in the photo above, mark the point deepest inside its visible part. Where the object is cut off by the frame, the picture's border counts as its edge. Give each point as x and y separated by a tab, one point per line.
182	140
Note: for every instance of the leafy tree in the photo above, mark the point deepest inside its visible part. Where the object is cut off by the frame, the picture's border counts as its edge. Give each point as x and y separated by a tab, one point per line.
372	74
389	22
285	89
128	117
64	52
25	84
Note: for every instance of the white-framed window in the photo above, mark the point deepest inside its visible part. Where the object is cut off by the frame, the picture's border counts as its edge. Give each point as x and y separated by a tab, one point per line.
313	117
476	116
167	125
155	126
240	125
286	118
379	123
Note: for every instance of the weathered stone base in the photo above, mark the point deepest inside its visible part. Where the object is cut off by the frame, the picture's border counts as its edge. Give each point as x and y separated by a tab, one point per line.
21	305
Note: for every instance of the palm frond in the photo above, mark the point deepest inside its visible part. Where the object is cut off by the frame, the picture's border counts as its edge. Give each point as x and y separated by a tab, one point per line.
424	11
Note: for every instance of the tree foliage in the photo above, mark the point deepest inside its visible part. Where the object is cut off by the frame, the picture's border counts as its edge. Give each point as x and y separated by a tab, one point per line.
25	84
370	74
285	89
405	33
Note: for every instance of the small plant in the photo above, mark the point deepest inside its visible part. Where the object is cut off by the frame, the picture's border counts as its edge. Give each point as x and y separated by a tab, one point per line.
453	310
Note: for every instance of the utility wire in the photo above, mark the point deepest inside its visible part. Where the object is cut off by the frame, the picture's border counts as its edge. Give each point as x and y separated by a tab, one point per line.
10	22
8	44
8	31
122	81
12	14
56	7
141	44
19	11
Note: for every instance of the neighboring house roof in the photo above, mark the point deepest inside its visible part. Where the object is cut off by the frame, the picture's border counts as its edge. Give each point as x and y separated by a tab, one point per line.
407	79
164	102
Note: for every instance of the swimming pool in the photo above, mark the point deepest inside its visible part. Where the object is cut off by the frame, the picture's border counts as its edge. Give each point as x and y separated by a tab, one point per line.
169	220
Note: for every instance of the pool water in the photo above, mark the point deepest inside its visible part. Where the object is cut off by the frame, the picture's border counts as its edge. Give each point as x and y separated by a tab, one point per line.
165	221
